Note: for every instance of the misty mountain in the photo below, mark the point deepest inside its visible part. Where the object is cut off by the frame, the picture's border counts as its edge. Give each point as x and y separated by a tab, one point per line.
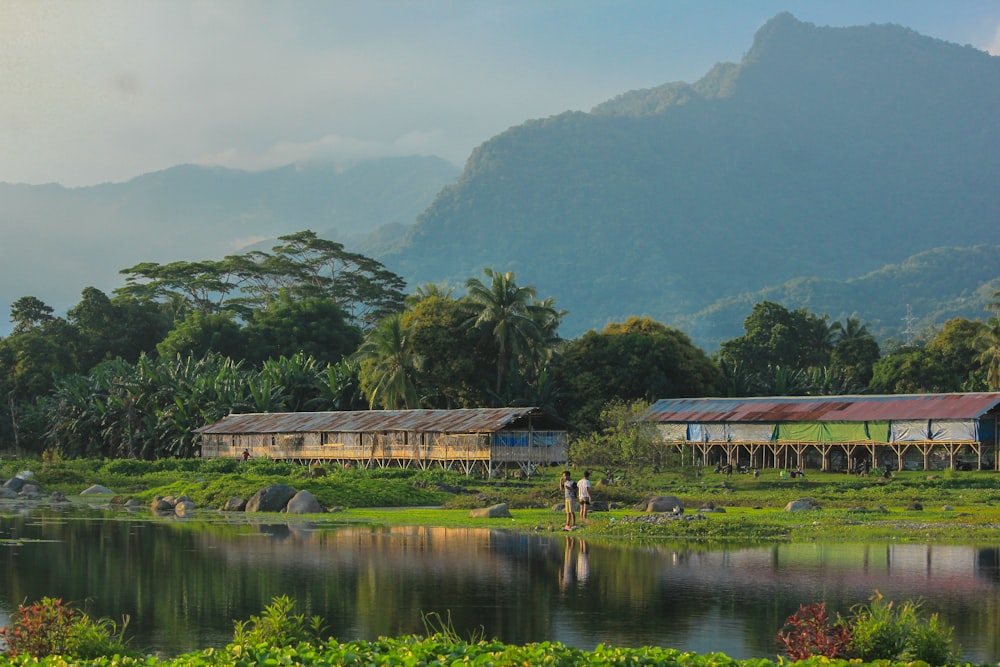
822	158
57	240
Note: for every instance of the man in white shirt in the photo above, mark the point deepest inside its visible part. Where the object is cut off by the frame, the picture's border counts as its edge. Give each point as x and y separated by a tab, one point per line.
583	494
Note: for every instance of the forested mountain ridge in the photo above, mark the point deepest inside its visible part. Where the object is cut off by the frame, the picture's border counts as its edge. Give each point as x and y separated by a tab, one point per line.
825	153
69	238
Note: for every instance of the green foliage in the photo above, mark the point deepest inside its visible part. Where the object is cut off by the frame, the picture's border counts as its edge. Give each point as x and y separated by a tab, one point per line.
638	360
624	441
49	627
278	627
883	631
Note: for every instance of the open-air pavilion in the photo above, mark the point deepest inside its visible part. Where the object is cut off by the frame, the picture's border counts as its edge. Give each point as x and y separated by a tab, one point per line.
912	431
484	440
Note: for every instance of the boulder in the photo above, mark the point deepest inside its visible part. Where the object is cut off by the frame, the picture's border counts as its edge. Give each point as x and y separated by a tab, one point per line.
30	490
235	505
499	511
162	504
670	504
184	508
914	507
7	493
95	490
304	502
58	497
15	484
272	498
802	505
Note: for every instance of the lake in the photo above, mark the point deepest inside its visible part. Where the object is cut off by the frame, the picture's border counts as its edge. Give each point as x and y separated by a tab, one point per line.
184	581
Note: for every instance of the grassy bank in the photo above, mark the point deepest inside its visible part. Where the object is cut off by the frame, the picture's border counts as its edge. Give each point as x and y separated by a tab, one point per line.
949	507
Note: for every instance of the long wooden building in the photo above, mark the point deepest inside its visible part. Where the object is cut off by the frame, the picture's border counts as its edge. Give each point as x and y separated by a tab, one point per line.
472	440
913	431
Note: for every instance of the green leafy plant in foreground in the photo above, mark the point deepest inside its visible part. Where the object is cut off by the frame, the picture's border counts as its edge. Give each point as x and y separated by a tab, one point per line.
278	626
884	631
52	627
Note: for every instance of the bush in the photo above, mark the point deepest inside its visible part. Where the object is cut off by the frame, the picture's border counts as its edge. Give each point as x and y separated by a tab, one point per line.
278	626
810	632
883	631
50	627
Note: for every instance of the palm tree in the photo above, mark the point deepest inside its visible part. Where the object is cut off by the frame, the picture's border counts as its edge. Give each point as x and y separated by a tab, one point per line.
388	367
851	329
989	356
503	311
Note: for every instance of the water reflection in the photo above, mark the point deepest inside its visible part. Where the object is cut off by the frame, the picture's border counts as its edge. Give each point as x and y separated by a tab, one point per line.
184	581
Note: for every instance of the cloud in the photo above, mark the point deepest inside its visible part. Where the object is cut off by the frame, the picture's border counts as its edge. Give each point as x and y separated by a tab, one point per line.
330	148
993	48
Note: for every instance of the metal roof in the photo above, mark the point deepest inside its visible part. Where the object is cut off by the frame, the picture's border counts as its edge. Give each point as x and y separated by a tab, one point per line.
824	408
467	420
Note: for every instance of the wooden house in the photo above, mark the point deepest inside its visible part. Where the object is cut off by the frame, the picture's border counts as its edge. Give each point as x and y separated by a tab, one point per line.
475	439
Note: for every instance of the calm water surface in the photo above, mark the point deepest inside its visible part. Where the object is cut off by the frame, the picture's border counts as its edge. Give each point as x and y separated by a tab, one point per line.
183	582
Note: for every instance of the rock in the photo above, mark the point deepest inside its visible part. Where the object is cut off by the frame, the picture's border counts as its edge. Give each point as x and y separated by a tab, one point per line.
162	504
670	504
272	498
235	505
500	511
15	484
947	508
914	507
58	497
184	508
95	490
30	490
7	494
802	505
304	502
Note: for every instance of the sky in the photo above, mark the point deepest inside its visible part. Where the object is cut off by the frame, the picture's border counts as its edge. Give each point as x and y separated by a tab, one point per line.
94	91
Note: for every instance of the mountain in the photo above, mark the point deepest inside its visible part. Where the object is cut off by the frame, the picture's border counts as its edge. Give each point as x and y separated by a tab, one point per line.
57	240
825	155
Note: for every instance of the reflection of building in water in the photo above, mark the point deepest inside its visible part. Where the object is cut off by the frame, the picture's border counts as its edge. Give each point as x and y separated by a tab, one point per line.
938	568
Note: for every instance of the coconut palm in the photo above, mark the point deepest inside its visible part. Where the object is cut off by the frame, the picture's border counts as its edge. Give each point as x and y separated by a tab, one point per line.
503	312
388	367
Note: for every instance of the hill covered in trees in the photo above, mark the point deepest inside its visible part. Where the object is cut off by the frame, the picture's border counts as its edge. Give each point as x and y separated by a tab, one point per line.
821	169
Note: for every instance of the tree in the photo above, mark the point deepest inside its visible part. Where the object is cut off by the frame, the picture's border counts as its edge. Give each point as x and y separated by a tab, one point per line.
776	337
388	366
622	441
854	353
989	353
454	368
200	333
29	313
121	327
503	312
639	359
910	370
315	326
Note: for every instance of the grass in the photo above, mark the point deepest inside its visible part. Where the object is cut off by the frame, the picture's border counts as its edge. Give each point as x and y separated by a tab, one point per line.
853	509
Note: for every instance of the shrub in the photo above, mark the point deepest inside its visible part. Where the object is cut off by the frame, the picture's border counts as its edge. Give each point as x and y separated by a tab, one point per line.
50	627
278	626
810	632
883	631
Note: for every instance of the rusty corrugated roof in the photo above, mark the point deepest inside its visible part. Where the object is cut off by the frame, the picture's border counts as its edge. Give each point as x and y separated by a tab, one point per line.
824	408
467	420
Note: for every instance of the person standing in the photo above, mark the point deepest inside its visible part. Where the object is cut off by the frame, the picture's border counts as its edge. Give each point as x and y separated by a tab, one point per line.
567	485
583	492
